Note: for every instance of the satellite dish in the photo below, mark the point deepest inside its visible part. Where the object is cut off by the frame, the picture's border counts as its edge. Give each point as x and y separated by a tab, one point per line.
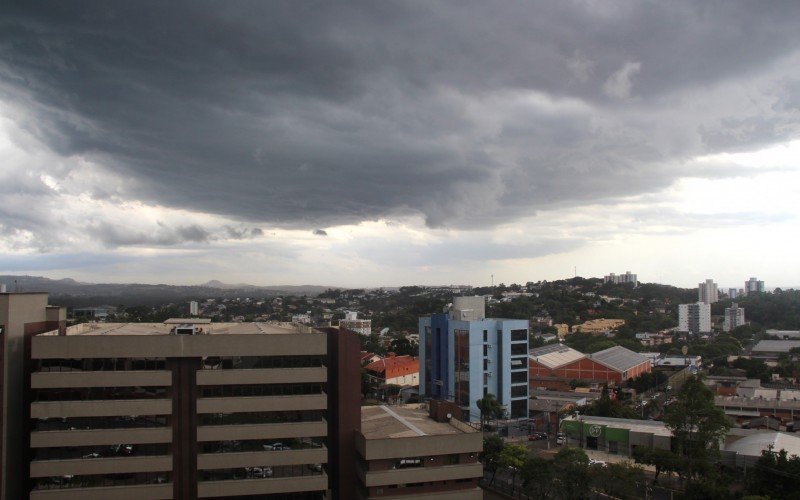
685	350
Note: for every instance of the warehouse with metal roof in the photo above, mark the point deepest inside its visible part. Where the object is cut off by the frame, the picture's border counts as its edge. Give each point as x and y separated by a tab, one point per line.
556	366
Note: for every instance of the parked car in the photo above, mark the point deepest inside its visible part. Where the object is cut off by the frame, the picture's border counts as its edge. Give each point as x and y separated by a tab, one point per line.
598	463
560	438
315	467
537	436
91	455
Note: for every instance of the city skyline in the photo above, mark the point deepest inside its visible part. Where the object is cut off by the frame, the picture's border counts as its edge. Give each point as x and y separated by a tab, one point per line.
389	145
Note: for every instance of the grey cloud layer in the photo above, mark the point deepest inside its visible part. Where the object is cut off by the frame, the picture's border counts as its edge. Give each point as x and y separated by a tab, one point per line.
309	115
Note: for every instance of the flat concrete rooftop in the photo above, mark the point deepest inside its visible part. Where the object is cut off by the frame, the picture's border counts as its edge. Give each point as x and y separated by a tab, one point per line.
402	421
164	329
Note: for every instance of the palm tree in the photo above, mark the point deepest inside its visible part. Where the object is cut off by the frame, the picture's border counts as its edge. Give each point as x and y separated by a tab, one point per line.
489	407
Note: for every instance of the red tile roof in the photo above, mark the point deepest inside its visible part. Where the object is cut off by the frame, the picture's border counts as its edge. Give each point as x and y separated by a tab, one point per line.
395	366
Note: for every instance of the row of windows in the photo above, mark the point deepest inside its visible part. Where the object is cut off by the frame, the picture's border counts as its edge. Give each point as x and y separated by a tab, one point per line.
263	472
209	363
102	393
107	451
260	362
251	445
257	390
85	423
101	364
100	480
252	418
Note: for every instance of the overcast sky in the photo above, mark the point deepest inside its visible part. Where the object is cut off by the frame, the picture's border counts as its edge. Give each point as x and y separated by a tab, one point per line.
392	143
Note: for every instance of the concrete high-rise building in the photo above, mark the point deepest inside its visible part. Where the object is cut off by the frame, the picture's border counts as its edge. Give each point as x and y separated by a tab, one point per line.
734	316
464	356
733	293
628	277
694	318
753	285
22	316
193	308
184	409
707	292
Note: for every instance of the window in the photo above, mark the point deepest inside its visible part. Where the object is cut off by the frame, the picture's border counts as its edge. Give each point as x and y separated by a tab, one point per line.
519	377
452	459
519	335
518	391
485	336
519	349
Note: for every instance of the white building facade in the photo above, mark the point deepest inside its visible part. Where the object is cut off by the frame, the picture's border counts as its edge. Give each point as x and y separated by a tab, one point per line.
694	318
707	292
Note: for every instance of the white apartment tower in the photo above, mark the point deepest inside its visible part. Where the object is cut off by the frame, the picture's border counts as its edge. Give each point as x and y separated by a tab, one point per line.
193	308
734	316
707	292
694	318
628	277
753	285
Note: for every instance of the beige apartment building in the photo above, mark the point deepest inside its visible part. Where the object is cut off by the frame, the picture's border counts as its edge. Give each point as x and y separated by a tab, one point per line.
405	454
595	326
184	409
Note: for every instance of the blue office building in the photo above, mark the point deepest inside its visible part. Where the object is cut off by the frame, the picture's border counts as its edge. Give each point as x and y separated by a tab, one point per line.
465	356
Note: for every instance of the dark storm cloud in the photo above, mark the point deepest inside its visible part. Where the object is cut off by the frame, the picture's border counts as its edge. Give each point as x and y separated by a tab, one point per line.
316	114
320	232
114	236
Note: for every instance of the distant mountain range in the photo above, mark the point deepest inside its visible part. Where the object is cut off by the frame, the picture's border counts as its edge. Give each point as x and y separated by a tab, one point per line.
67	291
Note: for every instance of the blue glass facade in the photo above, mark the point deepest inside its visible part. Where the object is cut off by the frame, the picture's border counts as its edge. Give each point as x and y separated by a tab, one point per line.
475	357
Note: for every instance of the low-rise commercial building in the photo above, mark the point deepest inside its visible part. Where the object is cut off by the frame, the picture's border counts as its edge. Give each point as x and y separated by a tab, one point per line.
616	435
653	339
773	349
352	323
395	370
405	454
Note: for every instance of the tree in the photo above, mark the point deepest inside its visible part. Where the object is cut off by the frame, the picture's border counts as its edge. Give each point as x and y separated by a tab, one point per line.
662	460
571	473
697	425
618	479
537	477
489	407
403	347
775	475
490	456
512	457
